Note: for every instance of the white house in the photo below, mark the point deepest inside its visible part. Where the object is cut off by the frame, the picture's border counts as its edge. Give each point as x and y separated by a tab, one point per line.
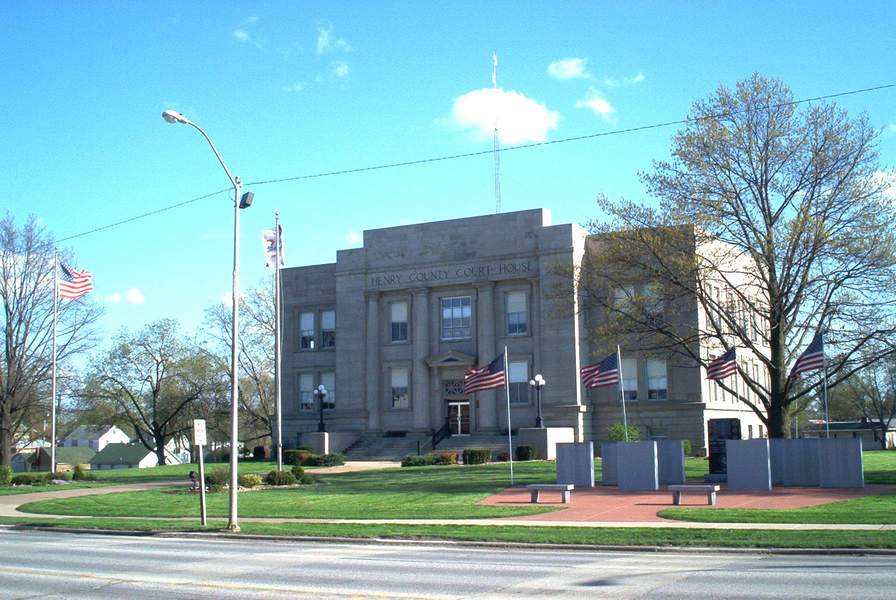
130	456
95	438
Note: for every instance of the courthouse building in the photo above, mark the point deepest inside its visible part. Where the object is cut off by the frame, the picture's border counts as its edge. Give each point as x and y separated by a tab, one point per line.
390	328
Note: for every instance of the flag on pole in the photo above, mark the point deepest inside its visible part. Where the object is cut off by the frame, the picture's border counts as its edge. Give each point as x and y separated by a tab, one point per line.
811	359
270	242
602	374
723	366
489	377
73	283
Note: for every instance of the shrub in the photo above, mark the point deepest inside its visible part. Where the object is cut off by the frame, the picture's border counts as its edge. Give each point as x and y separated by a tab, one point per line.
525	453
79	473
299	456
503	456
30	479
63	475
258	453
249	480
326	460
5	475
616	433
218	456
688	449
298	472
280	478
448	457
217	479
306	480
477	456
419	461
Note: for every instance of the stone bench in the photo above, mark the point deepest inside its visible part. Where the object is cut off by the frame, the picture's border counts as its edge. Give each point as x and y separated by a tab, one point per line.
709	489
536	488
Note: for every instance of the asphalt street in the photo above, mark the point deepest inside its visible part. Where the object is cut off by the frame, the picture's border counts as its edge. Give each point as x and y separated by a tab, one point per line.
36	564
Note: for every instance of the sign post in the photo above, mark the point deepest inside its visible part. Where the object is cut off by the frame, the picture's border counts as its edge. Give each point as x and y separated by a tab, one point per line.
199	441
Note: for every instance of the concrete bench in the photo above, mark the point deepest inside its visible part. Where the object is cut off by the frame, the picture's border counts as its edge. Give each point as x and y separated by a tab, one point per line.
537	488
709	489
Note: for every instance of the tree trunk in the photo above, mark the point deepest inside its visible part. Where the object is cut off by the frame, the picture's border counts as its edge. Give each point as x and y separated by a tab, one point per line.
5	434
160	447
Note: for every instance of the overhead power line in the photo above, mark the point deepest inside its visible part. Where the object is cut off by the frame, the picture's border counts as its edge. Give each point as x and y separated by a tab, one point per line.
434	159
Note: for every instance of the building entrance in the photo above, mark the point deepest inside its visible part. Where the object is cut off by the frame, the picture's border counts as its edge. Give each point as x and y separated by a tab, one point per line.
459	417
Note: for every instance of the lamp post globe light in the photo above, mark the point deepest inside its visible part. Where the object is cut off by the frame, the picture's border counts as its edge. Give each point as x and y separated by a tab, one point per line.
538	382
320	394
172	116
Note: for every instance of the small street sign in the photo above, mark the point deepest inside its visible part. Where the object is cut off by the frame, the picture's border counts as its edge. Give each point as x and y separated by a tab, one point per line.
199	432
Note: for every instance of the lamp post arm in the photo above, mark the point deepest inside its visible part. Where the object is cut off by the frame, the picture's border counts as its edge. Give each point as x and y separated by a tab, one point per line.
233	180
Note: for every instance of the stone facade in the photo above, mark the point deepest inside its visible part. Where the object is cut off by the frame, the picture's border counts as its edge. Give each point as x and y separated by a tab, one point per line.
391	327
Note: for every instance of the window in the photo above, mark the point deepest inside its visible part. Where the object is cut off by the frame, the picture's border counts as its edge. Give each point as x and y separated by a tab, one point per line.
306	331
328	380
761	432
456	318
517	315
657	381
399	386
622	297
519	382
630	378
74	443
306	392
653	298
328	329
399	321
749	432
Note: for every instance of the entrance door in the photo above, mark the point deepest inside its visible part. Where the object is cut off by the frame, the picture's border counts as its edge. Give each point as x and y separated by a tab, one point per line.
459	418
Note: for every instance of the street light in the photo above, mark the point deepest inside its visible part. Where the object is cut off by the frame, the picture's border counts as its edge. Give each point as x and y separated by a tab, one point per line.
320	394
172	116
538	383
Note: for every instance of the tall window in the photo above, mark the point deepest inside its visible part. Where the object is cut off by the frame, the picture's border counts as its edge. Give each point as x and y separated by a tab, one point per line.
399	321
328	329
657	381
399	387
630	378
517	315
306	392
328	380
519	382
456	318
653	298
622	297
306	331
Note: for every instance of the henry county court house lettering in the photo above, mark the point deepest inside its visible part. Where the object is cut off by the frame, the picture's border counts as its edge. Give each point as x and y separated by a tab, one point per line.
390	328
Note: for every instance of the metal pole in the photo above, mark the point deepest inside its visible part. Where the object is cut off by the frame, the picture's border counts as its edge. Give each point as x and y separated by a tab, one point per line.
539	421
622	390
232	523
53	386
827	416
277	343
507	395
203	515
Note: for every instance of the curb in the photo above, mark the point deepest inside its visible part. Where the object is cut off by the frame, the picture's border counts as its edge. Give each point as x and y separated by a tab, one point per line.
465	543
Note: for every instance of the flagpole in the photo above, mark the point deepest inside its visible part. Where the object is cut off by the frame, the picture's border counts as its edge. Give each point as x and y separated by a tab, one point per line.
53	386
277	342
827	416
622	390
507	396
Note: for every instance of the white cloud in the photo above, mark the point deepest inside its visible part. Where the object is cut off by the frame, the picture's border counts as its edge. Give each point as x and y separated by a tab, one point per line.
327	42
114	298
295	87
568	68
341	69
633	80
134	296
519	118
888	180
598	104
891	128
241	35
353	237
251	20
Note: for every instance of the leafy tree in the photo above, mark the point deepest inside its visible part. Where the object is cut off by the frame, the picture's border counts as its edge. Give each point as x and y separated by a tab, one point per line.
26	294
871	394
157	381
773	217
616	433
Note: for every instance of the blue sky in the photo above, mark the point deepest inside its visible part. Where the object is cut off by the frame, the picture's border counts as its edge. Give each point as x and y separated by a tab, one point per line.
289	88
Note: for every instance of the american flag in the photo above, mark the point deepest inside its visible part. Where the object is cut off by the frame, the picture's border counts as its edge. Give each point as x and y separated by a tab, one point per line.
74	284
489	377
811	359
723	366
601	374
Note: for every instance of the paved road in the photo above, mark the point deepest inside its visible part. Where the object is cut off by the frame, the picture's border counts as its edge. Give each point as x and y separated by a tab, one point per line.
37	564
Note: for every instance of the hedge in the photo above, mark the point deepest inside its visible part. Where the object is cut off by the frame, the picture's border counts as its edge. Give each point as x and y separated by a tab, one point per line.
477	456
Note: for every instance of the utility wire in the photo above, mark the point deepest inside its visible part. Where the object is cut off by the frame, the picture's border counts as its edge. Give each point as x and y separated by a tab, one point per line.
434	159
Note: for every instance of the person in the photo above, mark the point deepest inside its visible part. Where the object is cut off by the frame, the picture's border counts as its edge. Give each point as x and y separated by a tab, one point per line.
193	484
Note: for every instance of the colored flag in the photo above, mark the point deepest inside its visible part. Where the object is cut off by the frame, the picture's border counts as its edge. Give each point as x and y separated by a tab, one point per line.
602	374
74	284
723	366
489	377
269	241
811	359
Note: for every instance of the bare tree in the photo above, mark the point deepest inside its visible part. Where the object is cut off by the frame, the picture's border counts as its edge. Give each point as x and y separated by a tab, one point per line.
772	221
155	380
26	291
872	393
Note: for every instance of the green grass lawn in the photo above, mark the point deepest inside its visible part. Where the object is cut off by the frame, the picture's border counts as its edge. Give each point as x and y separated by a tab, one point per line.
409	493
615	536
175	472
31	489
870	509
